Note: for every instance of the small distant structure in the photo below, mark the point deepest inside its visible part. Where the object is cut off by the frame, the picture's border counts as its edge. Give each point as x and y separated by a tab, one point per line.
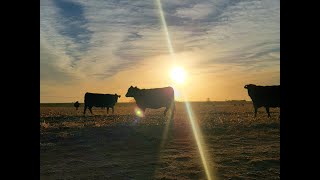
76	105
209	102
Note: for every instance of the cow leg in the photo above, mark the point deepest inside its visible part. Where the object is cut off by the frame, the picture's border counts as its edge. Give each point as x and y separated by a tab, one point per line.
255	111
173	110
170	107
90	109
85	108
165	111
267	109
107	110
112	110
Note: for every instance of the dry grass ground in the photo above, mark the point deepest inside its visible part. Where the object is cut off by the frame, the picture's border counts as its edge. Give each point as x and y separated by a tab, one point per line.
123	146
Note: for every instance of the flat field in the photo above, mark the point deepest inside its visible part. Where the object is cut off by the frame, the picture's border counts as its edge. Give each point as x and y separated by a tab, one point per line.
123	146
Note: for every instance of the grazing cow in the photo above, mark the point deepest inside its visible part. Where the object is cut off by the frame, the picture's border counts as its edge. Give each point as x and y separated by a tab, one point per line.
264	96
76	105
153	98
100	100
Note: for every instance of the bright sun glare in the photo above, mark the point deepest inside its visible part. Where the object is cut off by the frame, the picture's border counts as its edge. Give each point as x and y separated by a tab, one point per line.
178	75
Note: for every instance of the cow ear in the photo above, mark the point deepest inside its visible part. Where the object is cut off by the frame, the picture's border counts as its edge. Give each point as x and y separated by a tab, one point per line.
119	96
135	87
131	86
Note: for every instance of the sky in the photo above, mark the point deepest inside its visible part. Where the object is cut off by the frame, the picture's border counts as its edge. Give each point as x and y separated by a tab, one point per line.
107	46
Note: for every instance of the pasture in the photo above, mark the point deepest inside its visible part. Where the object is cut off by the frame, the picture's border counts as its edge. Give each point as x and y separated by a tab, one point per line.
124	146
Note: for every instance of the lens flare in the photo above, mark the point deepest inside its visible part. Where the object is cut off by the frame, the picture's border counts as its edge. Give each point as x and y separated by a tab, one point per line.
195	129
165	28
198	137
138	112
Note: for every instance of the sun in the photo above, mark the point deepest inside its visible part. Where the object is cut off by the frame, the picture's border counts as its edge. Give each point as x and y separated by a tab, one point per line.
178	75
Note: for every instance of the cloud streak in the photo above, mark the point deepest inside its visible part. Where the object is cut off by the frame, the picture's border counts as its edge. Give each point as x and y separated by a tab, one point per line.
83	41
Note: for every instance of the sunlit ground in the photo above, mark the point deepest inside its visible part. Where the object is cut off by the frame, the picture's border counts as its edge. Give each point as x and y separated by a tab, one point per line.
124	146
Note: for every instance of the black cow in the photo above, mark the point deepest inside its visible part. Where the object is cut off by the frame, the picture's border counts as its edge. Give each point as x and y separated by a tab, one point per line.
100	100
153	98
76	105
264	96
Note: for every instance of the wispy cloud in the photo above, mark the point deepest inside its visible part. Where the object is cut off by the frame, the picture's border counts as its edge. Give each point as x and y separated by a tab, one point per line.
94	40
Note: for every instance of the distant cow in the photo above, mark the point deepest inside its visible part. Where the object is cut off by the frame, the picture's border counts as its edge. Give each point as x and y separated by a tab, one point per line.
76	105
100	100
153	98
264	96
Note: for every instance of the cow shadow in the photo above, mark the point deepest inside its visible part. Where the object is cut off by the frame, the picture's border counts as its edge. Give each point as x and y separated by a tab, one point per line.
105	120
85	117
117	152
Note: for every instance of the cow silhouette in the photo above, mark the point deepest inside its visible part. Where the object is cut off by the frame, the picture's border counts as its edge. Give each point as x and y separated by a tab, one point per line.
153	98
264	96
76	105
100	100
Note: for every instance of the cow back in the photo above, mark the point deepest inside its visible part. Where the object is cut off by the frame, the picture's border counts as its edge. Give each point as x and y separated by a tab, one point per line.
155	98
265	96
100	100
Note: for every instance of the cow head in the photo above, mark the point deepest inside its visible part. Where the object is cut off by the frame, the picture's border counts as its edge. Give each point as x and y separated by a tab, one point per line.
133	91
115	97
249	86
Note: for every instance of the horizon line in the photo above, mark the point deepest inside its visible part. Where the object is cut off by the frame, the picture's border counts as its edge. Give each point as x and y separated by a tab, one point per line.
175	101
